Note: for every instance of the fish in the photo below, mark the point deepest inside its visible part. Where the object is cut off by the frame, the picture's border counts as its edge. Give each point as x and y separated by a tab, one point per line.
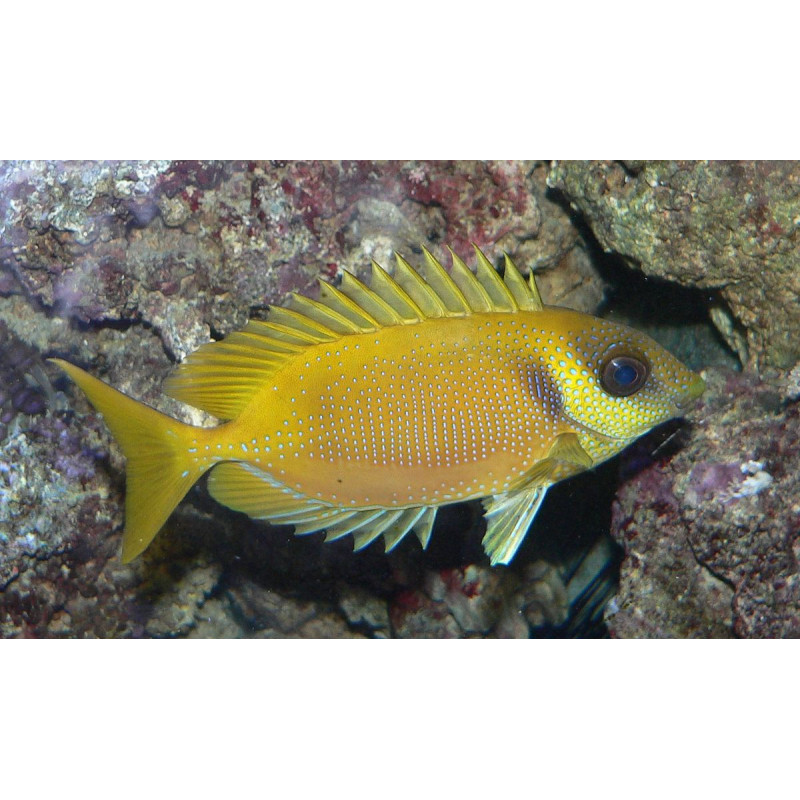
363	412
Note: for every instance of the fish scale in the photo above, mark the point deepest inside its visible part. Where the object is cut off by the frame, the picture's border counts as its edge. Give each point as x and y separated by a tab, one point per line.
363	412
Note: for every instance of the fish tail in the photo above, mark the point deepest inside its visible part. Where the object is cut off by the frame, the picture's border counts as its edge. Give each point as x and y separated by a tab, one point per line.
160	466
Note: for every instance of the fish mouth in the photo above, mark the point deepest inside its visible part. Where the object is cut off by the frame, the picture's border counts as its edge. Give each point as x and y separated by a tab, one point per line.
695	389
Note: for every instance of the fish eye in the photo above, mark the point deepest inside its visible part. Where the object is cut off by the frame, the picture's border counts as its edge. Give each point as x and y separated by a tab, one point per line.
623	375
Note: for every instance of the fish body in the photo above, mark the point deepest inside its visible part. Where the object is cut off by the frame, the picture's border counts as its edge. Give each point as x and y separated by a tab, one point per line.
364	412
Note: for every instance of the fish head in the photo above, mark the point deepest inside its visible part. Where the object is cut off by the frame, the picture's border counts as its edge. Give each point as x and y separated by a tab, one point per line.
617	381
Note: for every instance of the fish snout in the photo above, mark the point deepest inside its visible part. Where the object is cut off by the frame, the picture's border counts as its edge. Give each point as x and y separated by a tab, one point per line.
693	391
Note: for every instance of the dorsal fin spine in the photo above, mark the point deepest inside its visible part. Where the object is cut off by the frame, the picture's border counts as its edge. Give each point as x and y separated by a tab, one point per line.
474	293
296	320
342	304
501	297
315	310
445	287
518	287
419	291
390	290
374	304
538	304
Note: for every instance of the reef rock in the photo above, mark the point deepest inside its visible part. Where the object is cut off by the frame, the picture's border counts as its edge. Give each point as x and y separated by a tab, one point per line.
728	227
712	531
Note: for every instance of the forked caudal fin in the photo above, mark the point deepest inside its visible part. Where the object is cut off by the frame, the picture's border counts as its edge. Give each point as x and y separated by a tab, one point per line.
160	470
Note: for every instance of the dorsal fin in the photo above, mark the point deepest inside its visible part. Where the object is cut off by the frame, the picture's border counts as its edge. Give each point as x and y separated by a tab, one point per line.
418	290
320	311
501	297
300	322
390	290
526	294
348	308
477	297
222	377
377	307
445	287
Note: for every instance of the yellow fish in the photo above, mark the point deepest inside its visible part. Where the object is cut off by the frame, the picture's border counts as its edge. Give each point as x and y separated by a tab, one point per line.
365	411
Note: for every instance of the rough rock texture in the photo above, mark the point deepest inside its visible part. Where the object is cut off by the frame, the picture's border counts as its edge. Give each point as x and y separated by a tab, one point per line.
23	382
712	531
731	227
190	248
188	245
125	267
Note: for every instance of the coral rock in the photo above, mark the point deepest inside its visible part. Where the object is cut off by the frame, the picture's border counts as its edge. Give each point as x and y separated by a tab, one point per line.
711	535
724	226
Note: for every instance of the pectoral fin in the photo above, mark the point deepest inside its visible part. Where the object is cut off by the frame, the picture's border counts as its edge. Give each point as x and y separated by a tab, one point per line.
566	457
509	515
567	449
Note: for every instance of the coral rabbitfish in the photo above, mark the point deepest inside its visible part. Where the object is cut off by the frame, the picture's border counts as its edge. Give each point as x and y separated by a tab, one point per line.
365	411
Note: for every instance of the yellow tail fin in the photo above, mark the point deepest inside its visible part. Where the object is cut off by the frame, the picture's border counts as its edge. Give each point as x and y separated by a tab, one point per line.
160	469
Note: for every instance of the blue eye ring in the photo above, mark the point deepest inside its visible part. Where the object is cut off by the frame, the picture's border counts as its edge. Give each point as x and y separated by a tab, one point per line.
622	375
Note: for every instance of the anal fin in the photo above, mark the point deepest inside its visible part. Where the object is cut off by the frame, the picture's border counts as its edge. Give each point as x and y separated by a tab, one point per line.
254	492
393	535
246	488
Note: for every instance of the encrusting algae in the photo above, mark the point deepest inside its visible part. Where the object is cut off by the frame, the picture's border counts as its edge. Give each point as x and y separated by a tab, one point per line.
363	412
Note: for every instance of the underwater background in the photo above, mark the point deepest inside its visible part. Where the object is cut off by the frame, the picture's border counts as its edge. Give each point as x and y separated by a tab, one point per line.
126	267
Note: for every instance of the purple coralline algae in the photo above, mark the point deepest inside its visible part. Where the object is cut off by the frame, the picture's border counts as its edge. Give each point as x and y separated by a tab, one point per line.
126	267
